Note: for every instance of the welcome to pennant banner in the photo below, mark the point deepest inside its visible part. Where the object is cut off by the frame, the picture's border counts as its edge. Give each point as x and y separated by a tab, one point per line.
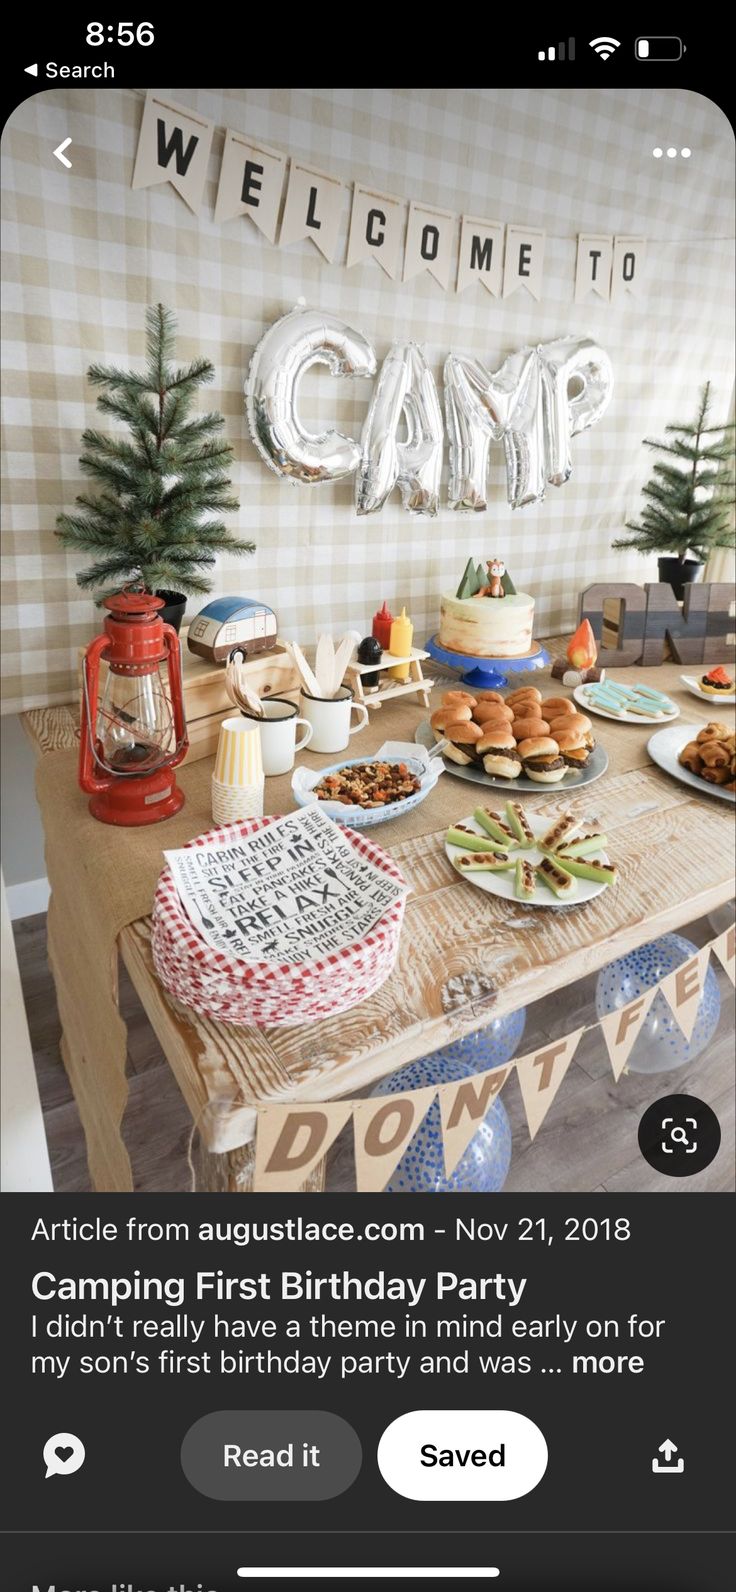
174	145
292	1138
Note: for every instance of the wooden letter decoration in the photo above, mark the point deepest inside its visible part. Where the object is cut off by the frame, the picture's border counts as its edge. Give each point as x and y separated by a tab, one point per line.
631	623
696	633
653	625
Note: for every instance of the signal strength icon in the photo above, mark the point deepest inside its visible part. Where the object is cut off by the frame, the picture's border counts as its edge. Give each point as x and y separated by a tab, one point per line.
558	52
604	47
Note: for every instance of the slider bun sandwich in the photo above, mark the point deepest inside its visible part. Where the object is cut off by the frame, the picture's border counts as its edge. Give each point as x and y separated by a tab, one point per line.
458	699
498	750
493	711
541	760
554	707
488	696
573	748
524	691
454	714
577	725
531	725
463	738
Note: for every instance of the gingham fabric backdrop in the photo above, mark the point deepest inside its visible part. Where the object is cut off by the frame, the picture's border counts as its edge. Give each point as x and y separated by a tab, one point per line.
84	255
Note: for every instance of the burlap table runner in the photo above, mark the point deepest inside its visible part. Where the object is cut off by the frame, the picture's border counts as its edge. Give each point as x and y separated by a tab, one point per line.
103	878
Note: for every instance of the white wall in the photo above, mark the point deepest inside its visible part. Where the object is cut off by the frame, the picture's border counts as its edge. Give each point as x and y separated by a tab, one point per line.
22	836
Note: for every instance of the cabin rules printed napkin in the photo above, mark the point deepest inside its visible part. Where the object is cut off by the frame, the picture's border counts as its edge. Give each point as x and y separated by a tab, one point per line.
295	891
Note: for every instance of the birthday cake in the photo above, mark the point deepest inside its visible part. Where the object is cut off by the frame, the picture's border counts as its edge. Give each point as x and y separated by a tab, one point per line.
487	617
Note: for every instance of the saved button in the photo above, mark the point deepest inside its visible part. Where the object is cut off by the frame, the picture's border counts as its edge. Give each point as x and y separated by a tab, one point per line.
451	1455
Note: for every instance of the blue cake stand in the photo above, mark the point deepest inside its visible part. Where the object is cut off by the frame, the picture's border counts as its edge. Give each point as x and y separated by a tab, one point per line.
485	673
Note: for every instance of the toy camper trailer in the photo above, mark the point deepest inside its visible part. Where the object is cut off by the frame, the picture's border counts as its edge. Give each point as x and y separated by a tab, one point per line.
232	622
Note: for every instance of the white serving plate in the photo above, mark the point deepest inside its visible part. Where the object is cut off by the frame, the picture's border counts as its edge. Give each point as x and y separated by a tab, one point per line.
692	684
663	748
596	765
626	717
502	884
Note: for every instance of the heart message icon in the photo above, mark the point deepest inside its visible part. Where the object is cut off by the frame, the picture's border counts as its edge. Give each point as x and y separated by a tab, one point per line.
63	1454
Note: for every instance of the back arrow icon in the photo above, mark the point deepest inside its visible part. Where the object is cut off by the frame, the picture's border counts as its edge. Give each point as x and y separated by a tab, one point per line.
59	153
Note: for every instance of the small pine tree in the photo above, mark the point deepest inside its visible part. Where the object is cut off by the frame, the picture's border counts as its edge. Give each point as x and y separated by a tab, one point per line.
689	506
152	523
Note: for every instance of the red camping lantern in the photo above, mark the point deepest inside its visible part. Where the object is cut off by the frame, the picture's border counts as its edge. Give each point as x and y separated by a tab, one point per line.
134	734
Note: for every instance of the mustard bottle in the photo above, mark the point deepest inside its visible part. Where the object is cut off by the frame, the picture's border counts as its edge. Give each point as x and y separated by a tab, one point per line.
402	631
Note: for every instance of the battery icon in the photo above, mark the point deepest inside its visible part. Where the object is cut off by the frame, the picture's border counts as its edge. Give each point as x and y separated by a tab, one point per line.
662	48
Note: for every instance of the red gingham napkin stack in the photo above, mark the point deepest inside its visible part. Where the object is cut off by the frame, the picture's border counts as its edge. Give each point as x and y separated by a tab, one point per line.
232	991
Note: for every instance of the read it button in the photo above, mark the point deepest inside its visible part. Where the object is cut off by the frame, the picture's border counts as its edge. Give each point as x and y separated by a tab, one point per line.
286	1456
448	1455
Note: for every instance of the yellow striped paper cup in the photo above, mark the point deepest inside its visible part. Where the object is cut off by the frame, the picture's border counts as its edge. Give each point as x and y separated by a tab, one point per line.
233	803
239	760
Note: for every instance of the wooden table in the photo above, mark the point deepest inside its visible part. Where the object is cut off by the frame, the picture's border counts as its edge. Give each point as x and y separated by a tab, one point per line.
463	953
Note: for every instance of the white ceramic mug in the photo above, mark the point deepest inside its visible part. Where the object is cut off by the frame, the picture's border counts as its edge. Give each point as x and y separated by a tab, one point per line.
278	734
330	719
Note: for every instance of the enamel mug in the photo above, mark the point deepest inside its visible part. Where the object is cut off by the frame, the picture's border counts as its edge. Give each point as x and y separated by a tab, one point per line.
330	719
278	728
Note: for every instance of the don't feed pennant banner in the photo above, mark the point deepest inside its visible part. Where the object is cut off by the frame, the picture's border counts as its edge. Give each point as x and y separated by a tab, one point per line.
292	1139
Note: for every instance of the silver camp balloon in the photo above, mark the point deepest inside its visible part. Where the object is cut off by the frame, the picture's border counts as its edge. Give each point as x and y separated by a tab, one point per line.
577	381
535	403
300	339
405	390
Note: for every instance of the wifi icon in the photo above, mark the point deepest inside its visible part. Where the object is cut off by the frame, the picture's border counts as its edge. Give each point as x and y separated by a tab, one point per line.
604	47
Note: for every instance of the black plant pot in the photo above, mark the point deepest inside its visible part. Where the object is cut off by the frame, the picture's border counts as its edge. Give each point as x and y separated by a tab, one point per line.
678	575
173	611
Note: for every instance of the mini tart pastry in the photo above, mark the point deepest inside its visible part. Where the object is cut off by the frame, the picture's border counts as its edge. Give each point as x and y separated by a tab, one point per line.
717	683
520	825
460	835
457	699
525	880
592	868
484	862
496	827
561	831
452	715
556	878
528	727
541	760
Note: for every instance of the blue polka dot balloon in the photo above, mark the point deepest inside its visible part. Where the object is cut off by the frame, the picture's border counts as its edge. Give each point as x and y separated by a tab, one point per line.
488	1047
482	1169
660	1045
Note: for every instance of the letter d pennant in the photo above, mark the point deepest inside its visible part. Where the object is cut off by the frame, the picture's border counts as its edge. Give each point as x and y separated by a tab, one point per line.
291	1140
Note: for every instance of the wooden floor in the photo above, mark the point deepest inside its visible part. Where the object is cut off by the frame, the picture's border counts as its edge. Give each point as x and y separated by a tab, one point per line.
587	1143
